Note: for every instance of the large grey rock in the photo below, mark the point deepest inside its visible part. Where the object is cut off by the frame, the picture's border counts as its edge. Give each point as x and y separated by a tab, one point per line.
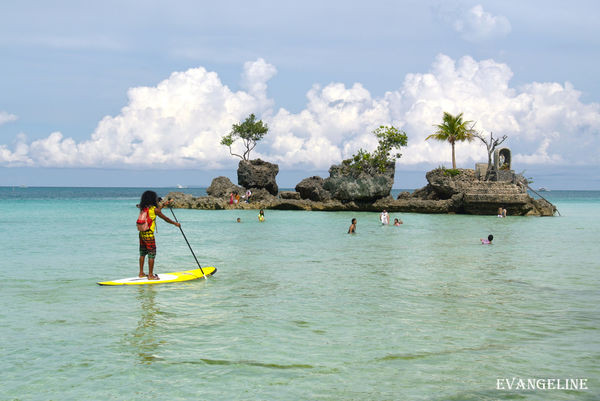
312	188
470	195
289	195
347	185
258	174
260	194
188	201
221	187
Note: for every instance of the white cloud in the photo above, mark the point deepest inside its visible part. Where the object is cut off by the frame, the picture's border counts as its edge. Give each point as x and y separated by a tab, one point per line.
254	80
6	117
477	25
540	156
179	122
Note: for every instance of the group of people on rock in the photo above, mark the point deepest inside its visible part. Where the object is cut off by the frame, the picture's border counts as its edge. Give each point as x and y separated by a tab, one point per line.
234	197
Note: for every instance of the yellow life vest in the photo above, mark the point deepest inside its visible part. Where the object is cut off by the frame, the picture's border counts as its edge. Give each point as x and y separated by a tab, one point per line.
152	215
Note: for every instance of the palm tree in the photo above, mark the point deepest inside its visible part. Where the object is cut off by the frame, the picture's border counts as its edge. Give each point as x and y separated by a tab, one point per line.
453	129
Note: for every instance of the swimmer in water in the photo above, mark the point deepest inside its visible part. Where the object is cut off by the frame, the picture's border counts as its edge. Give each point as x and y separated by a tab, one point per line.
397	222
487	241
261	215
384	217
352	229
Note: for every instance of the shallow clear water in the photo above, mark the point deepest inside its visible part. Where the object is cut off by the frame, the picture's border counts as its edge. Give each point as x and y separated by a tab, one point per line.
298	309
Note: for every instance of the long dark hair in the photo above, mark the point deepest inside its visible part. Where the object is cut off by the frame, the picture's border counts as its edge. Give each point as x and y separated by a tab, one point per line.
149	198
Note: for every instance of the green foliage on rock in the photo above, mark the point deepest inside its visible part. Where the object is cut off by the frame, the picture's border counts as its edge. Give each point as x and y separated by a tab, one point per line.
451	172
448	172
250	132
390	141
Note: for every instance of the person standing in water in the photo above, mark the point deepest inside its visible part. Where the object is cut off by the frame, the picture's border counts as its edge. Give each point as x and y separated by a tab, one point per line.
352	228
384	217
261	215
150	207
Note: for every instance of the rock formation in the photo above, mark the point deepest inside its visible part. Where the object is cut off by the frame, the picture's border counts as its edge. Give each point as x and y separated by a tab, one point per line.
258	174
348	185
312	188
447	191
221	187
289	195
462	192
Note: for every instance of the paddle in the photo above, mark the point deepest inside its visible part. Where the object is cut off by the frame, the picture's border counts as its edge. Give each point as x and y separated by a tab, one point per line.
187	242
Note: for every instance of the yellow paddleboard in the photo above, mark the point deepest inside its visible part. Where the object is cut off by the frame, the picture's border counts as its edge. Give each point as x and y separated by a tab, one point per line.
164	277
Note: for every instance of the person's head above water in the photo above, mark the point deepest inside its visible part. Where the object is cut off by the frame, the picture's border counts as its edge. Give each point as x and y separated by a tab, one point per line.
490	237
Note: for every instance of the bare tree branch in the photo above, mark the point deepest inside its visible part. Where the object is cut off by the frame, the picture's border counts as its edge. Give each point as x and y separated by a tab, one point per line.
491	145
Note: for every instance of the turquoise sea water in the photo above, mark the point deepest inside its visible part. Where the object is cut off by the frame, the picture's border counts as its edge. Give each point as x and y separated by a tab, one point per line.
298	310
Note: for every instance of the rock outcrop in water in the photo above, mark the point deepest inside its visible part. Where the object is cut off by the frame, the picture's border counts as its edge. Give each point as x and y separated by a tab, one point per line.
461	192
348	185
448	191
258	174
221	187
311	188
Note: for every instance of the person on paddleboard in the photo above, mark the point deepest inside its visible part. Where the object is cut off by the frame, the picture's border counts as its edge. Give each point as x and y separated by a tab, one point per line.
150	207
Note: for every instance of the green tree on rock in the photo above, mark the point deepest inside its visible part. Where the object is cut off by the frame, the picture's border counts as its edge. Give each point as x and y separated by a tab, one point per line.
250	132
453	129
390	138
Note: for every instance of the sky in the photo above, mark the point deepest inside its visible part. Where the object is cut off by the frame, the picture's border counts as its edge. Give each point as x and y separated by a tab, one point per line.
131	93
